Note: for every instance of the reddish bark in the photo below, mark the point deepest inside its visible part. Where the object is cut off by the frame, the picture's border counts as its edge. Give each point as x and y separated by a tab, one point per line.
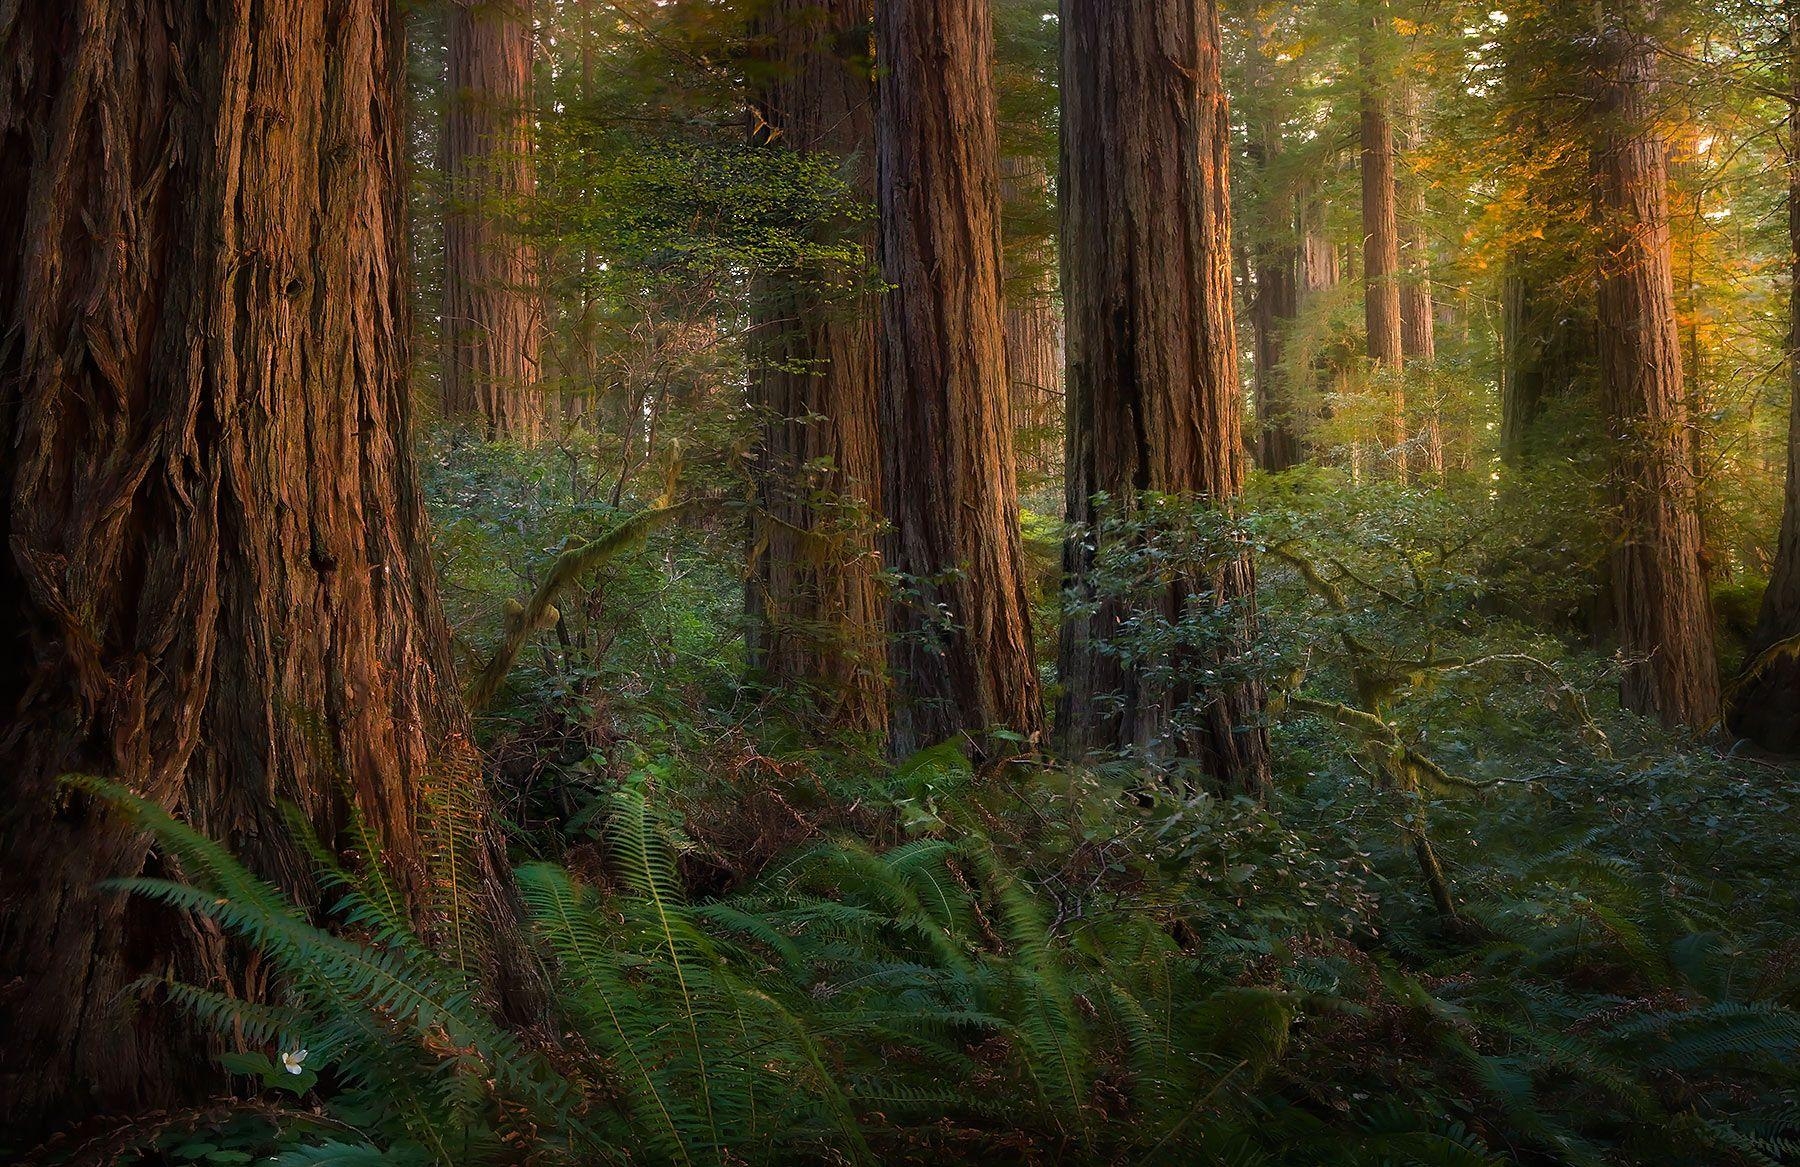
1034	335
217	563
493	318
1381	237
963	660
1154	401
1418	323
817	604
1660	600
1766	701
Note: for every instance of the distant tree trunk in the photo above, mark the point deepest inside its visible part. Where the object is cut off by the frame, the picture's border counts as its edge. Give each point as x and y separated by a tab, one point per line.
493	318
1153	379
1766	703
1660	600
817	605
1275	262
1320	267
218	577
1034	335
1381	233
1418	323
963	660
1273	311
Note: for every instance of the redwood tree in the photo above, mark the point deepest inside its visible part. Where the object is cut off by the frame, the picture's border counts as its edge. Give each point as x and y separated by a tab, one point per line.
493	318
1766	703
216	567
962	659
817	605
1153	364
1381	227
1034	329
1660	601
1418	323
1276	260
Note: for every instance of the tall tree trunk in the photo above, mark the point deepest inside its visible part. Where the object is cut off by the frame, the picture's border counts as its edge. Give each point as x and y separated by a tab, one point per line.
217	573
1766	703
817	606
493	318
1381	232
963	660
1273	311
1418	324
1275	262
1034	334
1154	402
1660	601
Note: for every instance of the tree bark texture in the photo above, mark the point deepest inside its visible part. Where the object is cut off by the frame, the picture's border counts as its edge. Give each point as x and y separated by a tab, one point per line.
963	660
217	570
1660	599
493	318
1381	237
1034	335
1154	399
817	604
1766	700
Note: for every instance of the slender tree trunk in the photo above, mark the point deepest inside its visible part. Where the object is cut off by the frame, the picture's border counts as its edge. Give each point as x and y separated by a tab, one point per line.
817	605
1660	598
1381	234
1154	401
963	659
1275	308
1034	335
1321	269
1418	323
493	318
1275	262
1766	703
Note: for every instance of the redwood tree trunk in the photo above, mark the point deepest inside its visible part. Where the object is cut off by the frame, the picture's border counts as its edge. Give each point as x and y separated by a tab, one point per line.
1660	599
1418	324
1274	310
1153	377
493	318
963	659
1766	704
817	606
1276	261
1034	335
217	576
1381	235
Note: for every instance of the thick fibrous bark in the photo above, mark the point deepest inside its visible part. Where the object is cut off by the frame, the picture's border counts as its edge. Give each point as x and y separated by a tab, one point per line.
216	576
492	315
963	660
1034	337
1660	602
1766	704
1153	380
1381	237
817	605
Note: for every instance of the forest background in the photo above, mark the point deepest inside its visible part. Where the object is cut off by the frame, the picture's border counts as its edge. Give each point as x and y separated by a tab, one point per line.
796	581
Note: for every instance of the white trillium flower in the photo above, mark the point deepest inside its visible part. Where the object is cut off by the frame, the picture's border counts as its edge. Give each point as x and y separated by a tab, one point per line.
293	1061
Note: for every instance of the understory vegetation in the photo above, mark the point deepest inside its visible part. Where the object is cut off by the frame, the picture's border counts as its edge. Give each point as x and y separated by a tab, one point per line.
1486	917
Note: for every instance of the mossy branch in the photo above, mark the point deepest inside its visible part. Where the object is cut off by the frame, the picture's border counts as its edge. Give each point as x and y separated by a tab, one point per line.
540	612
